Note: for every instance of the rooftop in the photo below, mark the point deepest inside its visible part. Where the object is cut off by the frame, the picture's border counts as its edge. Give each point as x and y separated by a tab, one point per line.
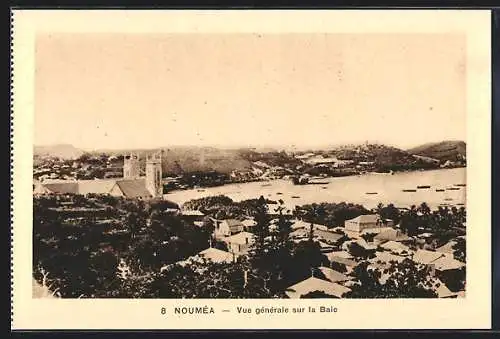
241	238
332	275
366	219
392	235
314	284
395	246
426	257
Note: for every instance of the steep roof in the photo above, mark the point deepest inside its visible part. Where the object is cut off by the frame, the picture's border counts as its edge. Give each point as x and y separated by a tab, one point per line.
447	263
367	246
366	219
386	257
134	188
62	187
233	222
447	248
442	291
95	186
340	260
332	275
249	222
314	284
341	254
426	257
216	255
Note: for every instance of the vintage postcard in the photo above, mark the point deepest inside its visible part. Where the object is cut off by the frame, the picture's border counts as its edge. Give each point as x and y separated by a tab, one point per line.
251	169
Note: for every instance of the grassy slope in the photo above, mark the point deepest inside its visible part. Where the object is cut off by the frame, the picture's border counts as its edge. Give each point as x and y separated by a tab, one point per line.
445	150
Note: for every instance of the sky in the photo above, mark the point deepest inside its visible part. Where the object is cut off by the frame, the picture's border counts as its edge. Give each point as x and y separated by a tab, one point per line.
115	91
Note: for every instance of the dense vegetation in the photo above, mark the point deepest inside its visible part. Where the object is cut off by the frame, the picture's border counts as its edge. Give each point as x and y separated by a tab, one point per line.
81	243
443	151
223	207
102	246
330	214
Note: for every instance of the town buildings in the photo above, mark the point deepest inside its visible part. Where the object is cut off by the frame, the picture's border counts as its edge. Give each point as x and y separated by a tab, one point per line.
132	185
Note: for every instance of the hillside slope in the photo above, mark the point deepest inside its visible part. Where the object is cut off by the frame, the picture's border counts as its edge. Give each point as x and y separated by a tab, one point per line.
63	151
443	151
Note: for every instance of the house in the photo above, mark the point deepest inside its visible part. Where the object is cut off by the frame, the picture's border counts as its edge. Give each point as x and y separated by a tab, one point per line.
381	267
386	257
332	275
390	234
240	243
396	247
369	246
448	247
341	264
362	222
248	224
324	247
217	256
443	263
130	186
192	215
300	233
442	291
321	161
228	227
316	285
447	263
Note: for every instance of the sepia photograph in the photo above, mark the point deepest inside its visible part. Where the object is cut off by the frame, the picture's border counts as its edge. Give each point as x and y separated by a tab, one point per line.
237	166
209	162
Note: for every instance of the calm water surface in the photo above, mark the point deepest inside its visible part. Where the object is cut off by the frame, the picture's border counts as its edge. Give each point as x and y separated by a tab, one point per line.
349	189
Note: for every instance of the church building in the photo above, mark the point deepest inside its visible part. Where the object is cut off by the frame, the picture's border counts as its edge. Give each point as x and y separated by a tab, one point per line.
132	185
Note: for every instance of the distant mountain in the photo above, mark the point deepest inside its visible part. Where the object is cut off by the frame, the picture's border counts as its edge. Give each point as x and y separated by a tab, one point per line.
443	151
63	151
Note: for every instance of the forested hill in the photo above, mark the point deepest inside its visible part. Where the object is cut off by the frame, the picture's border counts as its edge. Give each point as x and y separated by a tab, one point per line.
443	151
185	159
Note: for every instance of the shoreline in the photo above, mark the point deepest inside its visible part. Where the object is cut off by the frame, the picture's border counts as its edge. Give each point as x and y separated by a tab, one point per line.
267	180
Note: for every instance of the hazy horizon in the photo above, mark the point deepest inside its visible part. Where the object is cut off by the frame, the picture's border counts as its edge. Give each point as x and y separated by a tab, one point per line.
143	91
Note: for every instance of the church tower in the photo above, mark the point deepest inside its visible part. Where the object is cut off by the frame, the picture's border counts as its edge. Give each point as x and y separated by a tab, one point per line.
131	167
153	175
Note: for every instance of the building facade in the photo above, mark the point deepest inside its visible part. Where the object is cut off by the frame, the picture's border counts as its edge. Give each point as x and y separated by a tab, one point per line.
131	167
154	174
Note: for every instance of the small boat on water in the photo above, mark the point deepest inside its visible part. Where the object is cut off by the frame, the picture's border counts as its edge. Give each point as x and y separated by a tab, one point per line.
448	199
201	190
460	185
371	192
439	190
264	185
295	197
409	190
424	186
460	204
453	188
324	187
279	193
